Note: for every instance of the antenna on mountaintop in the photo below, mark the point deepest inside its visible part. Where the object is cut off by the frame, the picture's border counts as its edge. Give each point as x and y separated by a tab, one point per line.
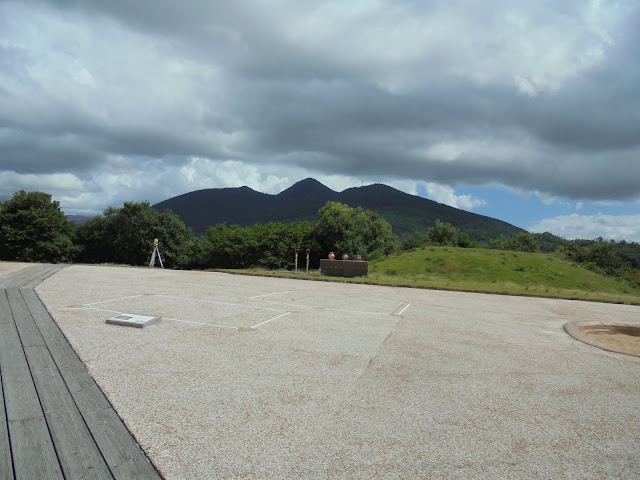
152	263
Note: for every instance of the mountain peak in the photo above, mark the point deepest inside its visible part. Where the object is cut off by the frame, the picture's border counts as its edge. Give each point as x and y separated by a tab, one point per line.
300	202
309	187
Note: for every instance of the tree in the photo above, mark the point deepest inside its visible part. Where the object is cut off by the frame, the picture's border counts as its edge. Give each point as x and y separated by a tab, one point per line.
603	256
125	235
344	229
34	229
270	245
443	234
575	252
523	242
464	240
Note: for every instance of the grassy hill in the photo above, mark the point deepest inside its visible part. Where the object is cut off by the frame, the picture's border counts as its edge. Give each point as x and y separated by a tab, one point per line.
500	272
487	271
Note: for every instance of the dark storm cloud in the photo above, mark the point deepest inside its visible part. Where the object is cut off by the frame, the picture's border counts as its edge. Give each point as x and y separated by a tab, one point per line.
584	152
25	153
535	97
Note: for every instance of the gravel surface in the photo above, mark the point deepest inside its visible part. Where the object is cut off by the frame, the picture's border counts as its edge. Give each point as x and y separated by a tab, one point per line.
250	377
10	267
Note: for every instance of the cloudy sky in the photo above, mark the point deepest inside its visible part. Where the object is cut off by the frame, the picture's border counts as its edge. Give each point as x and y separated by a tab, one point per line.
526	111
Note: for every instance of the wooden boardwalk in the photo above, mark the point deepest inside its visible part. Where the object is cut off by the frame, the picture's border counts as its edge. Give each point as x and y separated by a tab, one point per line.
55	422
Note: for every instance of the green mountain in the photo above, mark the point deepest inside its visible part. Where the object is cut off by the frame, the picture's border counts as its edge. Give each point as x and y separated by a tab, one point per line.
406	213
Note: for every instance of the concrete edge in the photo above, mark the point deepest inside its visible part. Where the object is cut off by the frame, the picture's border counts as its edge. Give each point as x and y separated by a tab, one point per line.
573	330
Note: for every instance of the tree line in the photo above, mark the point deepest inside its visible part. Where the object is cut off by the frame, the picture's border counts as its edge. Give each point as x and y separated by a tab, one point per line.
616	259
33	228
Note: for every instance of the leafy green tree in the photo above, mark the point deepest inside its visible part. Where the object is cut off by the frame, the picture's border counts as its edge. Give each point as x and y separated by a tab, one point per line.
276	243
498	243
549	242
223	247
270	245
573	251
443	234
34	229
464	240
440	234
92	240
414	241
344	229
599	256
125	235
603	256
523	242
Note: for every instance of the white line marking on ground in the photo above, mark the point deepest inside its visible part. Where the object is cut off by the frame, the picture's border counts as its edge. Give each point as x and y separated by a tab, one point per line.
272	319
200	323
352	311
111	300
253	307
402	311
163	318
267	295
376	299
98	310
287	304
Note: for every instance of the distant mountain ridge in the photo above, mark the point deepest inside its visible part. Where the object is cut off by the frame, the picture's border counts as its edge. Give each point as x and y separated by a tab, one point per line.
406	213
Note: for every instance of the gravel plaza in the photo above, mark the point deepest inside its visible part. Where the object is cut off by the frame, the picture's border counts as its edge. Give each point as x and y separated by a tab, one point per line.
252	377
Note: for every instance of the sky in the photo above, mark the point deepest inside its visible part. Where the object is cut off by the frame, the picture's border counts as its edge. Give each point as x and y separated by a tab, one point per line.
525	111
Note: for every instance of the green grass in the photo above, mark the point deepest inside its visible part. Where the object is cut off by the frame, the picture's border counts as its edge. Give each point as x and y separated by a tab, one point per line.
499	271
482	270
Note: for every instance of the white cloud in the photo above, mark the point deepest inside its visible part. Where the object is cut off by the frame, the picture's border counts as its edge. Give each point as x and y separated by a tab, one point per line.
202	173
534	47
274	95
442	151
160	182
446	194
11	182
142	181
617	227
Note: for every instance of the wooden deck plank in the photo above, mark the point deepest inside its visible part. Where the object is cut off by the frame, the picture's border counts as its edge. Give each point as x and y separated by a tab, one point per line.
29	334
79	434
82	386
5	311
21	400
120	450
29	277
78	454
44	273
6	463
33	453
12	278
123	454
8	279
20	277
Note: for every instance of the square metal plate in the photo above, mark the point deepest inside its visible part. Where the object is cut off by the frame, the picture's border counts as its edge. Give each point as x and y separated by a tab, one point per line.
133	320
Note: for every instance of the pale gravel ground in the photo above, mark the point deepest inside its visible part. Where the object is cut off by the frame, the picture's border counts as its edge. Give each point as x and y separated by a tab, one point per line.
10	267
347	384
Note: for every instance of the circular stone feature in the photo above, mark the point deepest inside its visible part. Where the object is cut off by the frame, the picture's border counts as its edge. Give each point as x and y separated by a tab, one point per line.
618	338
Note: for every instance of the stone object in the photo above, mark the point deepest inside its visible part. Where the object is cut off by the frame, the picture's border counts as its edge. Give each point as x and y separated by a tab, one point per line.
344	268
133	320
332	255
